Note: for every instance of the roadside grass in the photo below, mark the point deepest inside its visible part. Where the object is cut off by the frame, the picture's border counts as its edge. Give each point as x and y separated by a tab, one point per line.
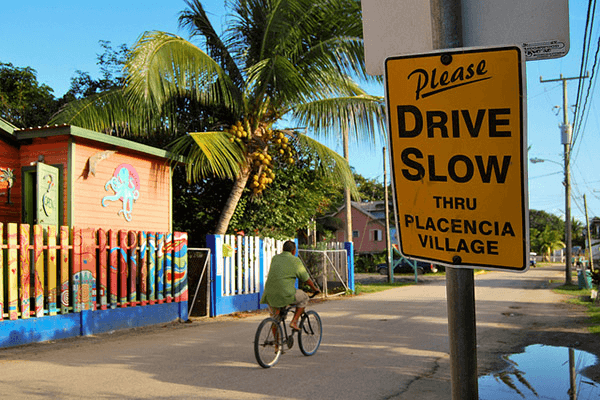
582	297
377	287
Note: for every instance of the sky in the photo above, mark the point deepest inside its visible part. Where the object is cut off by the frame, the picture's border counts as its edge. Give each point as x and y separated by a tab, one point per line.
60	37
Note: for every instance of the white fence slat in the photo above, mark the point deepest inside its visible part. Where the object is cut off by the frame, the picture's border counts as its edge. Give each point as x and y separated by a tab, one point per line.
246	264
240	265
256	264
231	267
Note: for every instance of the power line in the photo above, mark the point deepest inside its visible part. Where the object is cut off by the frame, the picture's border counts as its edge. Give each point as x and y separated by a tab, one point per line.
585	51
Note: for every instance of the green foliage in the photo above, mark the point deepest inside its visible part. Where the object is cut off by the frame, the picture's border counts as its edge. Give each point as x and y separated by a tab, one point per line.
197	206
368	262
275	61
23	101
296	195
111	63
577	233
369	189
542	223
539	220
582	297
546	241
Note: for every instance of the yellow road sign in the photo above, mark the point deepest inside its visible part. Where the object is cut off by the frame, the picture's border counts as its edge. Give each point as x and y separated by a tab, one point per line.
457	134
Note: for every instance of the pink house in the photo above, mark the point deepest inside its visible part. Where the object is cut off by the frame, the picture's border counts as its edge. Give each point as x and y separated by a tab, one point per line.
368	226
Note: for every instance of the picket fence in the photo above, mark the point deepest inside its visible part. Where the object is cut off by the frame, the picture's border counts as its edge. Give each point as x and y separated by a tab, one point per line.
47	272
239	269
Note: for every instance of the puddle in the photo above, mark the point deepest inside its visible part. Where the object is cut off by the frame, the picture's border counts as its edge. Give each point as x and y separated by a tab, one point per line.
541	372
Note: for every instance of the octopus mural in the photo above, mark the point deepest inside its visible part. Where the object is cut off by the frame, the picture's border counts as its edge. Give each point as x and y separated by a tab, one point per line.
126	185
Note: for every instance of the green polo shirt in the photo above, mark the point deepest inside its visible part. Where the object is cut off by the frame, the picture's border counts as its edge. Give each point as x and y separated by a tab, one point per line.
280	289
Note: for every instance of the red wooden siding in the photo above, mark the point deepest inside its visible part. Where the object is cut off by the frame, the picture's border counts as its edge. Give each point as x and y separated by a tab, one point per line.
10	159
55	151
152	209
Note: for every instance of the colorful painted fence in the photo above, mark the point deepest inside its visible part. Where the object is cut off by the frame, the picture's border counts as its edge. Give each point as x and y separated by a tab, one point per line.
63	282
239	268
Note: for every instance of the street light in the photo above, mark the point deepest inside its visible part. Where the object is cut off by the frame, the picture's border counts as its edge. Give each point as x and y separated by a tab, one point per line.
567	183
541	160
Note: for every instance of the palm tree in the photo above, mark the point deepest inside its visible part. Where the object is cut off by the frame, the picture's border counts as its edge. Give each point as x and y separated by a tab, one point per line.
277	61
549	240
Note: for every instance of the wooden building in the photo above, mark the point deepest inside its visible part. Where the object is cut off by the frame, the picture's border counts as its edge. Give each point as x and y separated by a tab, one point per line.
66	175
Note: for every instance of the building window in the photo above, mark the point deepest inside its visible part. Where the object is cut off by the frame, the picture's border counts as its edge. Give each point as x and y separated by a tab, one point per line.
354	234
376	235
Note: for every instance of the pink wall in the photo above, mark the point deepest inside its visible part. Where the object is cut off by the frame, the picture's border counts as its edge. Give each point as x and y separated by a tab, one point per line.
363	224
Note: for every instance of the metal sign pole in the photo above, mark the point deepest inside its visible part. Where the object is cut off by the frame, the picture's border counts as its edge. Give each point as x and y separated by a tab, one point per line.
460	283
462	335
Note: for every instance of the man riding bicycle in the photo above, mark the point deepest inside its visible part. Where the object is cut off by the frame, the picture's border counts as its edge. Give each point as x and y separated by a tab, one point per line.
280	289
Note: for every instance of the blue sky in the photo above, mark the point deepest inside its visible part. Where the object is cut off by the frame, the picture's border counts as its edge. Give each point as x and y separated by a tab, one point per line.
57	38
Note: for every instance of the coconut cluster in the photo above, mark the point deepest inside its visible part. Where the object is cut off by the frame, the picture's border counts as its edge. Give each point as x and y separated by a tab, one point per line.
266	147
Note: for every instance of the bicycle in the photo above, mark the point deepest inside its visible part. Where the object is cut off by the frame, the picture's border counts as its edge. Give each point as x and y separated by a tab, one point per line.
272	335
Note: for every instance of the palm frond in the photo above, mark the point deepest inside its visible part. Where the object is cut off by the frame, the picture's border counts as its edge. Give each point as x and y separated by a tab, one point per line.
198	23
163	66
108	112
363	117
332	165
275	78
208	154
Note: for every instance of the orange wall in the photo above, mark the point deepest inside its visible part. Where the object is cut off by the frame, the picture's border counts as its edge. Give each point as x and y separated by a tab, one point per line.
10	159
363	224
150	212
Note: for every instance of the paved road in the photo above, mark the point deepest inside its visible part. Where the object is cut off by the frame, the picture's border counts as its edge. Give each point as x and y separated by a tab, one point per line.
388	345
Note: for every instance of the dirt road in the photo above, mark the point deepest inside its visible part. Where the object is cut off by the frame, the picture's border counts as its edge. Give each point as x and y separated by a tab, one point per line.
387	345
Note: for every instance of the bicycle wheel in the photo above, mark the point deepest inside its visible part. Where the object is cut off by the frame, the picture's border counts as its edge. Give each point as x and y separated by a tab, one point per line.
311	331
268	343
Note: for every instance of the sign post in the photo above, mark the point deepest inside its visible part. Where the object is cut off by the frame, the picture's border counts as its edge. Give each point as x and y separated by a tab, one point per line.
457	136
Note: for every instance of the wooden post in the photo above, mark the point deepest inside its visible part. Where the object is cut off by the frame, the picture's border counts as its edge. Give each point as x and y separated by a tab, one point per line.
52	270
65	292
113	265
123	268
143	268
133	269
160	273
152	266
103	270
13	290
38	277
589	236
25	272
1	272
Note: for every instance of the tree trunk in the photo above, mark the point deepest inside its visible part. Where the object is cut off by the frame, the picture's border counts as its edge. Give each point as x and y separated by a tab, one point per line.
233	200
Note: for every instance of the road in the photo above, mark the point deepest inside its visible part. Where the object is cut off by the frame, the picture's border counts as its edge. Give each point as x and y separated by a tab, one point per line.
387	345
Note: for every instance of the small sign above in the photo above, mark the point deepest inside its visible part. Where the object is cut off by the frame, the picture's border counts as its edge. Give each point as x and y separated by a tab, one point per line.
394	27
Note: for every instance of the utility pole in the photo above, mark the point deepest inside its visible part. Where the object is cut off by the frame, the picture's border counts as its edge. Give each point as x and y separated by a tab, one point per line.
589	235
566	131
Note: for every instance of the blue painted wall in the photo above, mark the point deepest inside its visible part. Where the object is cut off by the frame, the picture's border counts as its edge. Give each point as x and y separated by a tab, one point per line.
32	330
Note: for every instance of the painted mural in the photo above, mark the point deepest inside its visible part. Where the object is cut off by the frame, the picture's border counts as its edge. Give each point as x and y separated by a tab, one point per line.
135	268
126	185
7	175
48	200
